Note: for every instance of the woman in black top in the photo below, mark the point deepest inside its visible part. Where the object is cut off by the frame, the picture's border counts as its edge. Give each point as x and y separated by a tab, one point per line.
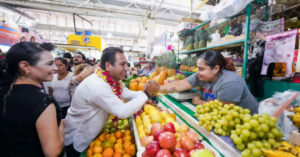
30	121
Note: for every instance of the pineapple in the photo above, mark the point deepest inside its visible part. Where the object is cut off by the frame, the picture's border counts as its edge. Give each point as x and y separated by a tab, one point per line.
157	69
187	64
171	64
164	61
190	43
197	38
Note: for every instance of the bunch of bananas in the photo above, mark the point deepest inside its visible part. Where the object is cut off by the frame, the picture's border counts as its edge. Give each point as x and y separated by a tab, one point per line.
296	118
285	150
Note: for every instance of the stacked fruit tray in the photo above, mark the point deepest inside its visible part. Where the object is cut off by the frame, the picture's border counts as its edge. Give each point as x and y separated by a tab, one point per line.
159	132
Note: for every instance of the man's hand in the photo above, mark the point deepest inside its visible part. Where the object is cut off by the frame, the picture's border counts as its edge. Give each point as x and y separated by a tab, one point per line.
151	87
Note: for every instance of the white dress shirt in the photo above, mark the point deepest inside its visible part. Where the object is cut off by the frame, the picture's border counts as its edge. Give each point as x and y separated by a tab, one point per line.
61	90
93	100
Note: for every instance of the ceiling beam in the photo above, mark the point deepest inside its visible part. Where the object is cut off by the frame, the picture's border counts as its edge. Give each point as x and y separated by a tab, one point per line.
15	10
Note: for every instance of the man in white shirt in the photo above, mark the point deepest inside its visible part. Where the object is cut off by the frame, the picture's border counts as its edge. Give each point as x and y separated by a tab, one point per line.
94	99
78	59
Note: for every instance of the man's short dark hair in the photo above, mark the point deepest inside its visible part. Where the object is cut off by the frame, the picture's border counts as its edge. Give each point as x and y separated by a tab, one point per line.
82	55
87	61
67	55
138	65
108	55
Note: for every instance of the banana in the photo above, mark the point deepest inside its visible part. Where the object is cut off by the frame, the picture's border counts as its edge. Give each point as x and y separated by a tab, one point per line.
292	150
295	119
287	149
297	147
277	153
297	108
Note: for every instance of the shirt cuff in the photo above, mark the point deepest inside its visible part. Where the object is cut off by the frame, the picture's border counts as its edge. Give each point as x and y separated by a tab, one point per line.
148	95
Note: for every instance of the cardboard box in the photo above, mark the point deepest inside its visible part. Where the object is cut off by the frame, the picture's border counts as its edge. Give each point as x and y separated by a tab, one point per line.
190	20
185	26
75	42
294	137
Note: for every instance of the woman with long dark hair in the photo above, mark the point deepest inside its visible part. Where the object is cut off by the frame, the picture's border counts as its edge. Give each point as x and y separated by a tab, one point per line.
218	79
59	87
30	121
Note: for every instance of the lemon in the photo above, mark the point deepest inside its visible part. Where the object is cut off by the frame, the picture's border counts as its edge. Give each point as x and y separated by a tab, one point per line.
155	118
147	122
142	134
152	112
169	119
148	129
173	116
146	117
143	114
137	120
139	124
141	128
164	114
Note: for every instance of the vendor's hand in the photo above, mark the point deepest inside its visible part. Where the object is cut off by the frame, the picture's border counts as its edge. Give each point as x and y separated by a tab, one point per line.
151	87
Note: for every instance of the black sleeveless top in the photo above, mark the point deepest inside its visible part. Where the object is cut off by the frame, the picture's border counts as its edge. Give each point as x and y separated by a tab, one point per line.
18	134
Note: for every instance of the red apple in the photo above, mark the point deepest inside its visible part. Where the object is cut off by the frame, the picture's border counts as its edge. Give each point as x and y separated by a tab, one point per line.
167	140
192	152
149	140
143	141
182	134
199	146
186	143
180	153
144	154
169	127
163	153
157	134
184	128
193	136
156	127
152	148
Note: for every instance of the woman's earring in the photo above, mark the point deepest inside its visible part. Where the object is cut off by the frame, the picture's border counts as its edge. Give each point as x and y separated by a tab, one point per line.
27	73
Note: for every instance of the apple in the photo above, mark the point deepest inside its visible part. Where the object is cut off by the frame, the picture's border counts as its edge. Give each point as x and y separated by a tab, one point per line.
186	143
163	153
169	127
149	140
143	141
178	145
180	153
178	136
182	134
157	134
199	146
156	127
203	152
193	136
167	140
184	128
152	148
192	152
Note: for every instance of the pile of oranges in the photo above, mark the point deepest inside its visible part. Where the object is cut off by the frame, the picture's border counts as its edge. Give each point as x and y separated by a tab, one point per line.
112	145
138	84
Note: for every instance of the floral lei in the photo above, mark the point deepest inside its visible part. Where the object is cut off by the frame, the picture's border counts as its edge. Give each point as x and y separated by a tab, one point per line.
116	87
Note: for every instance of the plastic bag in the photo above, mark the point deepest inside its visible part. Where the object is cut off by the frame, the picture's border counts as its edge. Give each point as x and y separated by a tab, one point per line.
286	124
273	104
215	36
236	31
226	8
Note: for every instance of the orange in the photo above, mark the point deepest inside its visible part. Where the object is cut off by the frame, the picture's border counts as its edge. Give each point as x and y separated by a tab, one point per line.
131	150
107	136
108	152
97	143
89	152
117	155
126	155
120	150
127	138
127	132
97	155
113	139
92	145
102	137
134	86
112	134
118	145
119	134
120	141
126	144
97	150
107	144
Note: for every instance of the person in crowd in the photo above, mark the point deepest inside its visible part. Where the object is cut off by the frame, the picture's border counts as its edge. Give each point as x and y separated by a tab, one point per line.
71	63
218	80
98	95
68	56
151	69
128	71
139	69
59	87
78	59
1	57
87	61
30	121
81	72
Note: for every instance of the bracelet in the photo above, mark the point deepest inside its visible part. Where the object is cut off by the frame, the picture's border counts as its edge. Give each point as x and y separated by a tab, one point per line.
147	93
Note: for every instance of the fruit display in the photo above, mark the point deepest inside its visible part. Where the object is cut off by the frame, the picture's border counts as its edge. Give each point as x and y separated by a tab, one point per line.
284	150
138	83
162	136
113	124
189	64
116	144
295	118
251	134
127	81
